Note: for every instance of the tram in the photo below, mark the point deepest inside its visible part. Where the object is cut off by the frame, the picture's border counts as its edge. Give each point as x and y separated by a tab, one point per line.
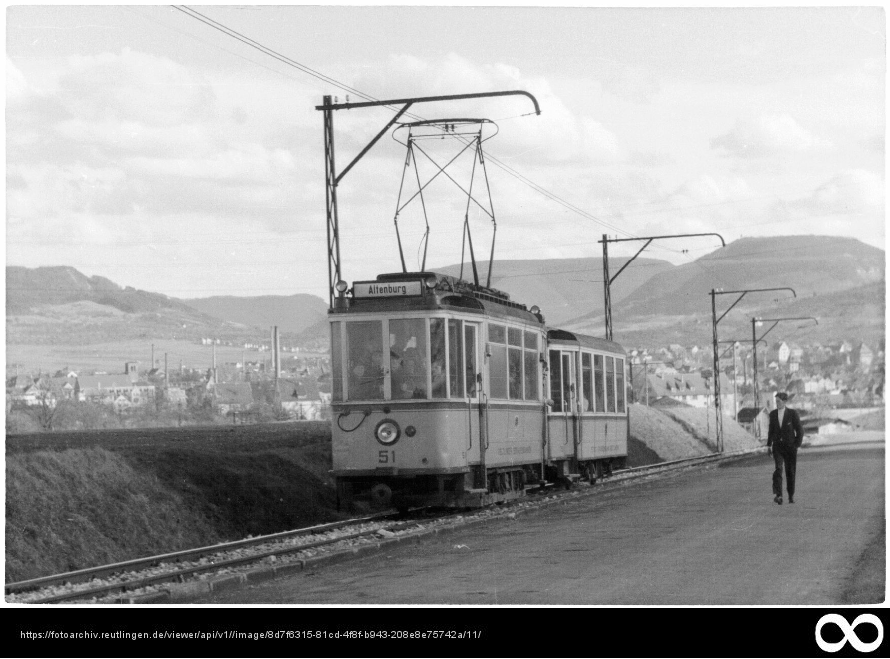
449	394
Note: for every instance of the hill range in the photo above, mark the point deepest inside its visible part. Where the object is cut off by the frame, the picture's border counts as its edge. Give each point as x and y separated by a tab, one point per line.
840	281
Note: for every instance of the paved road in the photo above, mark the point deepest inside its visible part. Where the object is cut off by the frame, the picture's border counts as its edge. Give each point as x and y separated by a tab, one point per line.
709	537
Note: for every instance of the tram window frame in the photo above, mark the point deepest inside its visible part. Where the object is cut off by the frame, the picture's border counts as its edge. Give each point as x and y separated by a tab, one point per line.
554	359
569	383
438	346
587	389
514	373
408	370
610	384
361	381
531	360
514	363
599	383
498	362
456	368
337	379
530	372
470	365
620	392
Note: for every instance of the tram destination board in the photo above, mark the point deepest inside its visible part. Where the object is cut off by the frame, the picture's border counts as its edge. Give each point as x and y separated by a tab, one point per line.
386	289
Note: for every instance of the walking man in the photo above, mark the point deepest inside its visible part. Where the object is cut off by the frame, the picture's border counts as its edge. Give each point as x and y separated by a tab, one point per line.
785	437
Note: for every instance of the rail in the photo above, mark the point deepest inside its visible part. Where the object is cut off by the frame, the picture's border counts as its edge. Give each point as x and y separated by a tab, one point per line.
87	574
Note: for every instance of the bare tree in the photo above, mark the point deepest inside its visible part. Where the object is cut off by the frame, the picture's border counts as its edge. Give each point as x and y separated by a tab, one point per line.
48	408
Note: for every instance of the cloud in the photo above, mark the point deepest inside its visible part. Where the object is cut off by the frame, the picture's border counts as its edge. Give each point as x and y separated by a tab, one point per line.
558	135
249	163
850	192
48	191
16	85
630	83
710	189
768	135
706	203
850	203
121	134
122	137
135	86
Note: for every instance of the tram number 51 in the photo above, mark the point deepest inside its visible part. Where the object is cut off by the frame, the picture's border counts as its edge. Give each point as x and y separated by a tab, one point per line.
386	457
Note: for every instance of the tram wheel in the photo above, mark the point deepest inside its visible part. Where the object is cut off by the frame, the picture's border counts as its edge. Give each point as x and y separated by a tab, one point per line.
381	495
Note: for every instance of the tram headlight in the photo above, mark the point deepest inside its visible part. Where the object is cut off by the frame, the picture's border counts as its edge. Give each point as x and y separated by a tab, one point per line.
341	286
387	432
535	309
430	282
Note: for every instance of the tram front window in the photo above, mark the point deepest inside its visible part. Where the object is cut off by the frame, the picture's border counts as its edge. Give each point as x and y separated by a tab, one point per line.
365	365
407	358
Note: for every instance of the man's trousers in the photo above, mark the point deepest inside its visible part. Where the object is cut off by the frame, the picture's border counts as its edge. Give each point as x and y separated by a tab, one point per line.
787	455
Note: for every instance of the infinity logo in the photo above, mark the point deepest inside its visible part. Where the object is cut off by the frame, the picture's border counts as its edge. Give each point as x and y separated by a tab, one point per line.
849	634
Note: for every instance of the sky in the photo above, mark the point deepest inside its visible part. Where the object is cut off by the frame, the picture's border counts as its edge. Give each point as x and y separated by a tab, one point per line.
147	146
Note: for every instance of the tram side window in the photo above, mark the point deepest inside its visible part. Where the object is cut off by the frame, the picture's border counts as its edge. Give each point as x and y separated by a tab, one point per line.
586	382
364	343
556	381
514	358
598	383
497	365
437	357
336	362
456	357
619	383
407	358
531	366
610	382
568	381
470	352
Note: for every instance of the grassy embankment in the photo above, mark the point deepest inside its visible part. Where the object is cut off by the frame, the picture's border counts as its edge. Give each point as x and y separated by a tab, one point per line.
127	494
83	499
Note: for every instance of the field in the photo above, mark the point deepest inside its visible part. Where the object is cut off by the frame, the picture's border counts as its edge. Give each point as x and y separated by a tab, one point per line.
110	357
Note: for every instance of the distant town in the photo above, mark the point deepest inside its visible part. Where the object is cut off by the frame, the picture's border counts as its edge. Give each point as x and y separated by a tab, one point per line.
294	383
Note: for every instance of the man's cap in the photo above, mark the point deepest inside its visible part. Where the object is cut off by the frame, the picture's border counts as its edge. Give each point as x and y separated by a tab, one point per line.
782	396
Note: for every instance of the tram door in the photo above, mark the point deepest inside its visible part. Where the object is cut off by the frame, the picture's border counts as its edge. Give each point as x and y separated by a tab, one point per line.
570	396
473	377
463	377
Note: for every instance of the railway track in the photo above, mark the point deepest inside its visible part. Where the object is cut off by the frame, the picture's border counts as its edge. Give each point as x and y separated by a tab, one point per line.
232	563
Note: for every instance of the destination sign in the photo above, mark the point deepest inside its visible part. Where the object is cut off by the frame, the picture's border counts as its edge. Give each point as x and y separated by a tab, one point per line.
386	289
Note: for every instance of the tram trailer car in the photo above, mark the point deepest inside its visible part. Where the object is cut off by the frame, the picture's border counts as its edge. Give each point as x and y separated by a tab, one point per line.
449	394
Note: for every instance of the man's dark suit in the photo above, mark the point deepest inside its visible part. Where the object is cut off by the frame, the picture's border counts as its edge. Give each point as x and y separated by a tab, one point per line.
785	441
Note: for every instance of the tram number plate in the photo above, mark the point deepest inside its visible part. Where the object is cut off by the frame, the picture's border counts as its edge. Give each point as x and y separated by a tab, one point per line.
386	457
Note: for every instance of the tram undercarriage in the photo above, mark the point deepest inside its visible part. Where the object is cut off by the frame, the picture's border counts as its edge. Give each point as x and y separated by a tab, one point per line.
369	492
455	490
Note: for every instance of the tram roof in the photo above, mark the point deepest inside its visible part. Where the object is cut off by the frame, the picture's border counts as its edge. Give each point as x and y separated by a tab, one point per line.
449	293
564	337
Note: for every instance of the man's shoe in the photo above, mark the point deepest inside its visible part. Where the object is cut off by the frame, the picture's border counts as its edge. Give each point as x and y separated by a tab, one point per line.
778	499
790	499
